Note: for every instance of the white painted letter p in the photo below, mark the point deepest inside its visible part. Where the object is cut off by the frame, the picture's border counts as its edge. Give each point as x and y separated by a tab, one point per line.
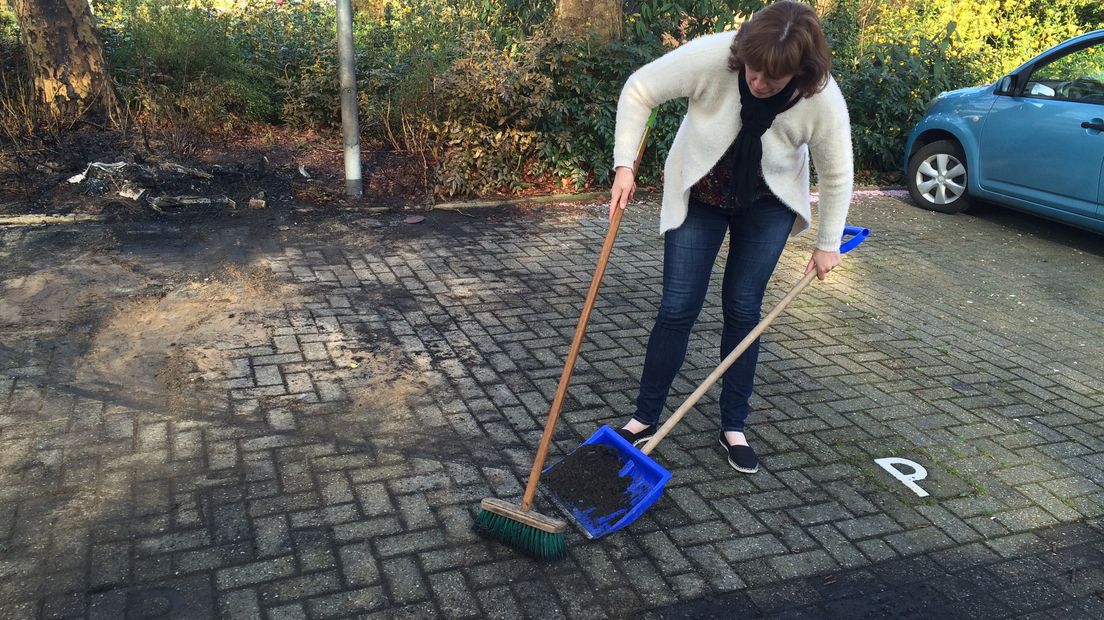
909	480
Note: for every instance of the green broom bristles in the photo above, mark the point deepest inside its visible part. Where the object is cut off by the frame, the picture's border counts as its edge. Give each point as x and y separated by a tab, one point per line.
527	539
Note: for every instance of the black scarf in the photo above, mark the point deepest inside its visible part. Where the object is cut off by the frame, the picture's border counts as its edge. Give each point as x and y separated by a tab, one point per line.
756	117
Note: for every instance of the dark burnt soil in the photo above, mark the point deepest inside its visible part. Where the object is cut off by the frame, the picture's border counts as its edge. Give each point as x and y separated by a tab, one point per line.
587	479
301	169
287	167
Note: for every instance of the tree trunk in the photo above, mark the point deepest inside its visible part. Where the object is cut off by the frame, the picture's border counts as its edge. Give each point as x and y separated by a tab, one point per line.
66	59
602	18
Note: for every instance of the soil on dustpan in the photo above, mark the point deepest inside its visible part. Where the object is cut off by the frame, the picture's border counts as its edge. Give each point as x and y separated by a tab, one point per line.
588	479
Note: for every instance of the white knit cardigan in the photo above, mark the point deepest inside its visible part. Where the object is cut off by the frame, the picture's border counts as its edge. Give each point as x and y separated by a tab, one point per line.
816	125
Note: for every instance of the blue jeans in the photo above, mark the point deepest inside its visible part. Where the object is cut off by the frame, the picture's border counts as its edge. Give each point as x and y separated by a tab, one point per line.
755	244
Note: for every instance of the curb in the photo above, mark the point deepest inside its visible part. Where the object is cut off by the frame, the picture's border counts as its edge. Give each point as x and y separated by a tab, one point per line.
521	200
46	220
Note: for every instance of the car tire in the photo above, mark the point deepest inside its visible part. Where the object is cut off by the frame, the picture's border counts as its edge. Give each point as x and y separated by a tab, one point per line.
937	176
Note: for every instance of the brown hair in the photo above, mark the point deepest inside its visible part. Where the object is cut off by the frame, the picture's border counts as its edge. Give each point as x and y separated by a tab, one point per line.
781	39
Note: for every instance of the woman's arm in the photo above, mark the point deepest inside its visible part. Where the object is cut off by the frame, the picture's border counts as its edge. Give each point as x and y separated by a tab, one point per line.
683	72
830	149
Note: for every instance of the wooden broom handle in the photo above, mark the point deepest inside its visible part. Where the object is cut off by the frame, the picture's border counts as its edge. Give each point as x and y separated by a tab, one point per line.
577	341
728	361
569	365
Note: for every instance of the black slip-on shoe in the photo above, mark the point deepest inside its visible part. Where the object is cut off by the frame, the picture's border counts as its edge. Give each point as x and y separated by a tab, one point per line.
638	438
741	458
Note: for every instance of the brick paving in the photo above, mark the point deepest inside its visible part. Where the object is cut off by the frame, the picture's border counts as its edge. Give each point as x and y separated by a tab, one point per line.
331	466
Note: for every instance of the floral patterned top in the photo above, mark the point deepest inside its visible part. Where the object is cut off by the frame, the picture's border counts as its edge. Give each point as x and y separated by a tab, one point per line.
714	188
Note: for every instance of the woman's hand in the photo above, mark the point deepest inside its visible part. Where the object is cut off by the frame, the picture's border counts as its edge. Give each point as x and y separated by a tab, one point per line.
624	187
822	262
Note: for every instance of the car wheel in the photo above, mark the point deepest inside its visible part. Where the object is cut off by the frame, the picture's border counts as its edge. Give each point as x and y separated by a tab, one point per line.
937	177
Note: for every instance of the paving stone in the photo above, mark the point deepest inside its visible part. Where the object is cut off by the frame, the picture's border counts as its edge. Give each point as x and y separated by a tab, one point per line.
293	611
210	558
598	566
876	550
1057	508
751	547
841	550
405	582
866	527
454	597
668	556
300	587
254	573
347	602
498	603
713	567
173	542
415	511
948	523
923	540
302	490
239	604
775	598
698	533
803	564
111	562
964	557
315	549
1025	519
819	513
358	564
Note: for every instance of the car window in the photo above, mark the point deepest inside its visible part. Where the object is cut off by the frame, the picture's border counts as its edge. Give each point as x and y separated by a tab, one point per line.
1077	76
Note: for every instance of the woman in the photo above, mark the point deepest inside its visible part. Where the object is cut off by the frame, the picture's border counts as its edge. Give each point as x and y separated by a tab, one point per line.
761	101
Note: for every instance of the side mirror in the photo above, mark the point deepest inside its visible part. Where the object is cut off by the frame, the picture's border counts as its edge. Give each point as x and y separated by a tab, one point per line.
1008	84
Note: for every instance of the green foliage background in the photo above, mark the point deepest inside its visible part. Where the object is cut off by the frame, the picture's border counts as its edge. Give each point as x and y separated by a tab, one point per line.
497	100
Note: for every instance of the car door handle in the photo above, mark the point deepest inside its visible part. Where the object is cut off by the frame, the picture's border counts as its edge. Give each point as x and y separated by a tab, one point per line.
1093	126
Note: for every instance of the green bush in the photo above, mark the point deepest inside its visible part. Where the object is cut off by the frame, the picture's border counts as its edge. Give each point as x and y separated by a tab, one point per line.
495	99
542	109
399	58
180	62
485	112
295	48
477	159
11	50
683	20
588	82
507	20
891	58
15	122
887	92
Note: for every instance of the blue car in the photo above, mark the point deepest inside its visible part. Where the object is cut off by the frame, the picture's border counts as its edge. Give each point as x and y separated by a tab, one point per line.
1033	141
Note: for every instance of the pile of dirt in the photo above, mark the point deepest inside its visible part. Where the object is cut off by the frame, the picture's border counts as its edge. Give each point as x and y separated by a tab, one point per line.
54	295
169	346
588	481
379	378
126	336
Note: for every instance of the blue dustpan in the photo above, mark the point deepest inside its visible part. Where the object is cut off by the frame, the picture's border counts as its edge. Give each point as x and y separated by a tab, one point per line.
647	479
647	476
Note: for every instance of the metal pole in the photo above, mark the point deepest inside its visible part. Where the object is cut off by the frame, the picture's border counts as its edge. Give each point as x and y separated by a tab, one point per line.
350	121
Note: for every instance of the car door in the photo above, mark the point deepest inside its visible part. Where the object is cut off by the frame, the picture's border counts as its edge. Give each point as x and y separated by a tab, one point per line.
1045	142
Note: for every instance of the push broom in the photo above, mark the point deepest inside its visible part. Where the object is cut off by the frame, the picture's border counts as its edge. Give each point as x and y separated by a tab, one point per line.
519	526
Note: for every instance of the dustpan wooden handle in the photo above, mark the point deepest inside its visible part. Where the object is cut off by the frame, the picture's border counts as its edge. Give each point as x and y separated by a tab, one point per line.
728	361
